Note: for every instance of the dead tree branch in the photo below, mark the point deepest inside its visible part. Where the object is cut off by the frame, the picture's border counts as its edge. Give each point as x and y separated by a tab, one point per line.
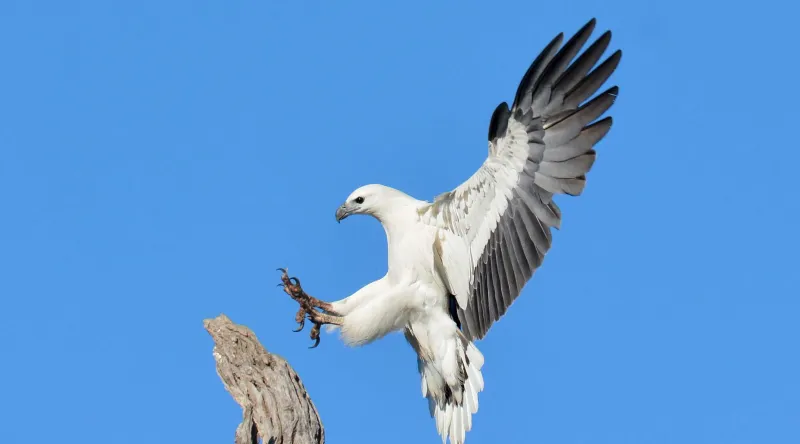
275	404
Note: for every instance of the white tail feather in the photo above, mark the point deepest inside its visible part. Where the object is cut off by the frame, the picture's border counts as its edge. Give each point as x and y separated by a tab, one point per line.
454	415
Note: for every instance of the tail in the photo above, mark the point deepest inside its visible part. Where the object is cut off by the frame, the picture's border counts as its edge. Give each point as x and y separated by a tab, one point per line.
452	389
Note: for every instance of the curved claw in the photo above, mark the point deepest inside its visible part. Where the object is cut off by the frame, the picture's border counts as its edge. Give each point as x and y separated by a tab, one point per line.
281	269
294	281
300	318
315	335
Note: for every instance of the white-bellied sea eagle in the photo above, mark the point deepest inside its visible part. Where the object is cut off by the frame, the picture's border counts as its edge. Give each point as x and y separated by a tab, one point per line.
458	263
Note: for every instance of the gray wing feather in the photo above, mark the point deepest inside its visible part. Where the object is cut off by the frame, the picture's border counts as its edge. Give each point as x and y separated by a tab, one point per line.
554	70
578	70
556	152
581	144
590	84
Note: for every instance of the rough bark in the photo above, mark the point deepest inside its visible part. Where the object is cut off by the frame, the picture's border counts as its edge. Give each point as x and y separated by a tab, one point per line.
275	404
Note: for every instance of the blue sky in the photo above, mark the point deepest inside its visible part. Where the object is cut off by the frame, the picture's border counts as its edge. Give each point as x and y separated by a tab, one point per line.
158	160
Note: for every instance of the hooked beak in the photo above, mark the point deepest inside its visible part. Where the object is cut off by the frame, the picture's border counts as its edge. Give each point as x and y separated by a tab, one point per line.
342	212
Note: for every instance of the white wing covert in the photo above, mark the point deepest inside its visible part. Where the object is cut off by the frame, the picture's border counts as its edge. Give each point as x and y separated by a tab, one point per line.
495	227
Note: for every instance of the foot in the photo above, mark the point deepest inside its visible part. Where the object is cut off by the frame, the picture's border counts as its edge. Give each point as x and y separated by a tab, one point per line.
291	285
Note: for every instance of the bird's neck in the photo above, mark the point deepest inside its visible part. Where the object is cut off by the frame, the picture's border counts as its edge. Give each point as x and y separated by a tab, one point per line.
394	225
396	228
397	219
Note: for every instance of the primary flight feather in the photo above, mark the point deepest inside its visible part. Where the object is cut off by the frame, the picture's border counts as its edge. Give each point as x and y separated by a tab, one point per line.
456	265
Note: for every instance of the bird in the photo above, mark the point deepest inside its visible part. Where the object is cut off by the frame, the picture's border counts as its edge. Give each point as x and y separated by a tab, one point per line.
456	264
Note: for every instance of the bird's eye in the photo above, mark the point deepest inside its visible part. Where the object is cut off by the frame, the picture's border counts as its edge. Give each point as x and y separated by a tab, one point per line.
359	200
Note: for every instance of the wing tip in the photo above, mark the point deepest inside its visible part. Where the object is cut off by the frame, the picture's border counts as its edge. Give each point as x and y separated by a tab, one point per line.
589	26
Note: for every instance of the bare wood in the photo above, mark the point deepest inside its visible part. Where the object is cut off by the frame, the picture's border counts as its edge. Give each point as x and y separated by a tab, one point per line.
275	404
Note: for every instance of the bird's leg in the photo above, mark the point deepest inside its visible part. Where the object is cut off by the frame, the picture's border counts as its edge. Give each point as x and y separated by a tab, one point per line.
291	285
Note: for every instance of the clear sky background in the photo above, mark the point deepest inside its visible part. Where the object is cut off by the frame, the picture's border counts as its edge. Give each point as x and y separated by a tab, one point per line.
159	159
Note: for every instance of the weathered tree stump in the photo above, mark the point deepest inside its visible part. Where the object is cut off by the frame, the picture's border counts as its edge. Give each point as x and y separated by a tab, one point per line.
275	404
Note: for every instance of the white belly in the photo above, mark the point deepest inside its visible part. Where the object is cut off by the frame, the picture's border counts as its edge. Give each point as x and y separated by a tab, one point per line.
412	292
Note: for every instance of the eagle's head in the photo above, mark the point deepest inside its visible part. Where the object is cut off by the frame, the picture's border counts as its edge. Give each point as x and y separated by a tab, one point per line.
375	200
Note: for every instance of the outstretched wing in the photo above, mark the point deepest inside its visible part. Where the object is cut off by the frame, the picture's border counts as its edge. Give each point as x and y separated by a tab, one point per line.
495	227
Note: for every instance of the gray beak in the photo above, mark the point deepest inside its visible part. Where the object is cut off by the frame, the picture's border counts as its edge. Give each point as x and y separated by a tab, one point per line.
342	212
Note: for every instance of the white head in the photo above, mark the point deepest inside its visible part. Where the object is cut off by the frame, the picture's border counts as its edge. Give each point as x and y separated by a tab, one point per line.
375	200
